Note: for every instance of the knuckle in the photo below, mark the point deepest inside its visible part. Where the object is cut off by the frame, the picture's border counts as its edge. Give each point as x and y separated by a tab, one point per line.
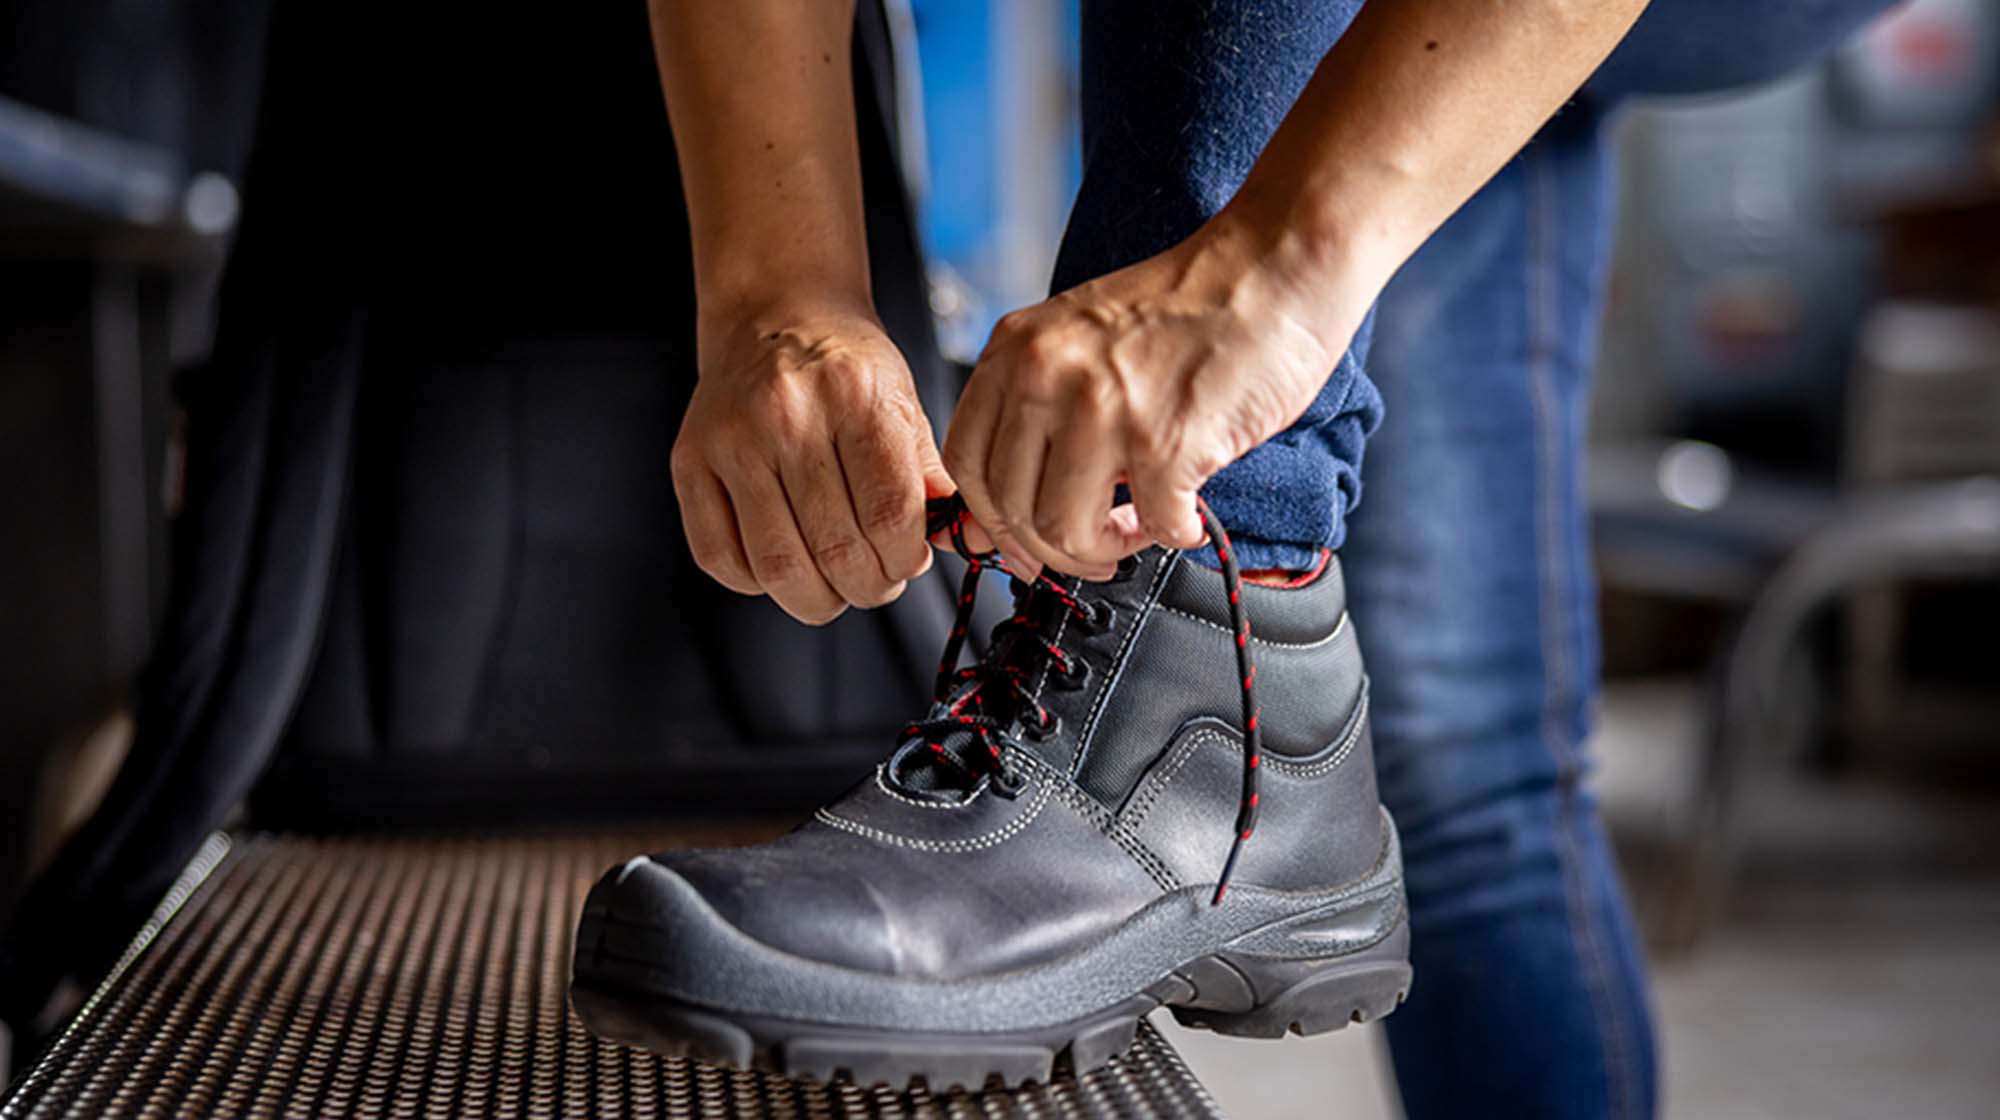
887	511
685	458
778	567
1042	348
1096	398
838	552
844	368
710	558
1011	326
1047	354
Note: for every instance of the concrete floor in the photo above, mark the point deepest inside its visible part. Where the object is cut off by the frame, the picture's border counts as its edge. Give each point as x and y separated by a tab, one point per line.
1855	976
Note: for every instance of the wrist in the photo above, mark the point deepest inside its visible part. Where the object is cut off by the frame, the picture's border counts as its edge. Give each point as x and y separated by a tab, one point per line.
1322	275
798	265
740	332
775	308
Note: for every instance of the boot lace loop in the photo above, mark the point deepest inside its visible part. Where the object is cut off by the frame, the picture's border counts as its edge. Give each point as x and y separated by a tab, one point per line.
977	705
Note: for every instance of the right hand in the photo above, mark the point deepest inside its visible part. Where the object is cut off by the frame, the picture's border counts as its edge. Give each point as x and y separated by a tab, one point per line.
804	461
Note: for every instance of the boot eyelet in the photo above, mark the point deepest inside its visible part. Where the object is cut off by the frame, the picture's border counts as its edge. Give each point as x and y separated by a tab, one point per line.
1074	678
1126	568
1009	783
1040	728
1101	618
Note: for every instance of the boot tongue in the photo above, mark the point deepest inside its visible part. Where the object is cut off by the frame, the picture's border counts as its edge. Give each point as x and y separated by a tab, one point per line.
947	754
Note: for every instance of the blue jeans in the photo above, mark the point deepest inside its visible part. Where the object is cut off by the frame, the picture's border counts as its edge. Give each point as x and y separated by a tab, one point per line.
1468	569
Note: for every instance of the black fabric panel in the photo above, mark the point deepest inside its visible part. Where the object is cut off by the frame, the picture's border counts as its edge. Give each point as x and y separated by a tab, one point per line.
433	509
336	702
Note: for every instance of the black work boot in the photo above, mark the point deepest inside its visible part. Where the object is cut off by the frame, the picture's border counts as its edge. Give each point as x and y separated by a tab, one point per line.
1043	860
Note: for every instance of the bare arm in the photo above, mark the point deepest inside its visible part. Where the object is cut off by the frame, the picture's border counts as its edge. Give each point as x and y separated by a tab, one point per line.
1409	114
804	460
1183	362
761	97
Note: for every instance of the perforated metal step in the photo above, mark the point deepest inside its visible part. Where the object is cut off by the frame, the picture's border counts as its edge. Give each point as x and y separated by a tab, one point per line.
373	977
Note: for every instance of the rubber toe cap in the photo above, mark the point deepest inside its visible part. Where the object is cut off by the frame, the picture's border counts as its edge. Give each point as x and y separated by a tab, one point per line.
817	913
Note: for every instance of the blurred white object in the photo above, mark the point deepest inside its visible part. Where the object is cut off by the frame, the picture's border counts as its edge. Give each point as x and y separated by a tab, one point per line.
210	204
1695	475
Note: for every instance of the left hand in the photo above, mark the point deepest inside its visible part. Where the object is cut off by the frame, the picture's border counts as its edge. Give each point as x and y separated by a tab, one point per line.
1155	376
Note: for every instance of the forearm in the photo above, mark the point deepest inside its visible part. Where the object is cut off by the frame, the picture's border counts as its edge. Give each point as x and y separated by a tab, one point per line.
761	96
1412	111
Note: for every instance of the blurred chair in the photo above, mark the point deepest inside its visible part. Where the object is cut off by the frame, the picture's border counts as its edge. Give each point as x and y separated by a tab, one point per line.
1920	507
1925	408
1888	538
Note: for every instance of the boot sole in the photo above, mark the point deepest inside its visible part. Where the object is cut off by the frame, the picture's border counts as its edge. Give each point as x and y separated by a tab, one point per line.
1229	992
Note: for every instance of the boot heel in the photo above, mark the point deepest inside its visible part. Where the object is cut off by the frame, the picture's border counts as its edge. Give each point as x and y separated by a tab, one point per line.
1299	997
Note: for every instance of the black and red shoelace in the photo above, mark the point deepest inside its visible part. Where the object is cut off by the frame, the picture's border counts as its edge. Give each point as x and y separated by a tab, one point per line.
999	697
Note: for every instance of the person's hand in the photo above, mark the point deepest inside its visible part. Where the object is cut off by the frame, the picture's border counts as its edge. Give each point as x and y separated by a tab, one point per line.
804	460
1156	376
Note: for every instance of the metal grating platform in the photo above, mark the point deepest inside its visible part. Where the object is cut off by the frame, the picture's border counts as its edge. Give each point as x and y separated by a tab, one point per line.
373	977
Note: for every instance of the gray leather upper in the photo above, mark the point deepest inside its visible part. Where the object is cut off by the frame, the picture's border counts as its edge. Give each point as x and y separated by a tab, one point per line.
1135	795
882	883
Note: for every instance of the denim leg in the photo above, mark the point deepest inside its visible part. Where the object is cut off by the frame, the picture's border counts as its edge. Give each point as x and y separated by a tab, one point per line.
1179	98
1469	574
1470	581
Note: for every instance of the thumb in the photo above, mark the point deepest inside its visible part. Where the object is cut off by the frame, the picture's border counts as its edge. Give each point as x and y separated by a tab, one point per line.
938	484
937	481
1165	504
